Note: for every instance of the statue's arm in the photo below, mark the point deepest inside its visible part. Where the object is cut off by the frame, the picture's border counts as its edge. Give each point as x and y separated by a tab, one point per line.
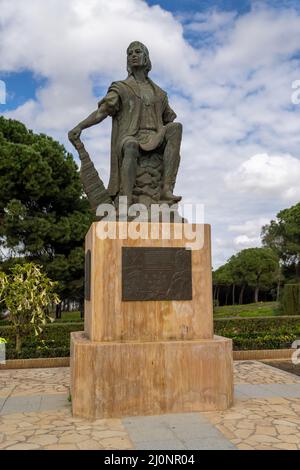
108	106
94	118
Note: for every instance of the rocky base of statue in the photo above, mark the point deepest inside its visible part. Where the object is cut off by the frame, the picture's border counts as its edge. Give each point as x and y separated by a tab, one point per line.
148	184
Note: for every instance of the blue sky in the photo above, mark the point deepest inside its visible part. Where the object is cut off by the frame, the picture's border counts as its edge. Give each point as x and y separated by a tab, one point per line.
228	67
241	6
20	87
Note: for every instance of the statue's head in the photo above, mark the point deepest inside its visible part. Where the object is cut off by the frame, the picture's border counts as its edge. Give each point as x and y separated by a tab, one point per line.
138	55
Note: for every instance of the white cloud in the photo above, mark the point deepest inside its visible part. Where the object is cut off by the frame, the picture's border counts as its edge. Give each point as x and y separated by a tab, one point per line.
232	92
268	175
250	227
243	241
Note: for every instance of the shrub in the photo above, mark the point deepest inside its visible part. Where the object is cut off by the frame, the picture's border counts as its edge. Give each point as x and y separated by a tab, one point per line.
53	342
27	293
246	333
259	333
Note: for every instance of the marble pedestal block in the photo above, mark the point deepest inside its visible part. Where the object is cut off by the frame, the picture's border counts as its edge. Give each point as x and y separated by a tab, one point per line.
143	357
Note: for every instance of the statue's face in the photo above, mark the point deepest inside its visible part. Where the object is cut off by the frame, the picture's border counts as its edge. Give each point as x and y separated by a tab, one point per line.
136	56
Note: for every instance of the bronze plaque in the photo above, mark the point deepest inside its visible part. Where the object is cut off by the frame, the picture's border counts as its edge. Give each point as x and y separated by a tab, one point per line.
87	276
156	274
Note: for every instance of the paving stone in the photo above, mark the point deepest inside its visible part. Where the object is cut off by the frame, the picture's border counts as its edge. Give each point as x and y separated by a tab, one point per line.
292	439
43	440
2	401
116	443
268	430
139	434
253	391
285	390
172	444
89	445
52	402
61	447
107	433
17	404
265	415
209	444
195	431
70	438
24	446
286	446
244	447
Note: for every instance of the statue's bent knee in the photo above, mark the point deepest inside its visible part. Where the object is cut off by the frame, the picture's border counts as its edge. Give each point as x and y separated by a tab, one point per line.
131	146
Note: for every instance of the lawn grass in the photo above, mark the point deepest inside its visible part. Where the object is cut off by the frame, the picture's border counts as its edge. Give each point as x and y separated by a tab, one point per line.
261	309
69	316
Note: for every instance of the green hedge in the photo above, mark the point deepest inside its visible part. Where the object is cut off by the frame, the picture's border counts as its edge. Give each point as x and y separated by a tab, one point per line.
246	333
259	333
54	342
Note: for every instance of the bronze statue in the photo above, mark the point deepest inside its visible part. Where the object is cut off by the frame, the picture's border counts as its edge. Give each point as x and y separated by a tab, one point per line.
145	144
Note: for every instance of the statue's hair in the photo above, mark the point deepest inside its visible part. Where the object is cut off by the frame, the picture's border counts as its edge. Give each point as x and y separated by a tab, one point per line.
148	65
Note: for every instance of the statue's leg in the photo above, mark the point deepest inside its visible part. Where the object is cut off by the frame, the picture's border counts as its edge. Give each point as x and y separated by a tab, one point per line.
173	138
128	170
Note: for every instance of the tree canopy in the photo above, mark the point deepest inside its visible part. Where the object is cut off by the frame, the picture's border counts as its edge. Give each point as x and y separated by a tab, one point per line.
44	214
254	267
283	236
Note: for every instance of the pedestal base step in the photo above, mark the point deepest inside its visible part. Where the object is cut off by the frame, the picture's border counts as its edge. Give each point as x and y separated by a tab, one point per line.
115	379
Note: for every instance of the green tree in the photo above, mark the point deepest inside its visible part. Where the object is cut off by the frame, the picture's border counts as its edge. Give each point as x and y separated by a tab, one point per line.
222	277
283	236
44	214
255	267
28	294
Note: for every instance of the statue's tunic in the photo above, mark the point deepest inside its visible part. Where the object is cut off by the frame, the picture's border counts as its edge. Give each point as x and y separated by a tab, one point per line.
140	112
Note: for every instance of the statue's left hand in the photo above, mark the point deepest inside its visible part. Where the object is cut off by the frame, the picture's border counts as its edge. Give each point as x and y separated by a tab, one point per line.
74	135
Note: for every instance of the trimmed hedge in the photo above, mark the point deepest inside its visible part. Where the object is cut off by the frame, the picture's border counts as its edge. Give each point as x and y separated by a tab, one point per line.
54	341
259	333
246	333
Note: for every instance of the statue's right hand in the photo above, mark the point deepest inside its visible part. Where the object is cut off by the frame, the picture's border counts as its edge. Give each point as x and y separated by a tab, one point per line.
74	134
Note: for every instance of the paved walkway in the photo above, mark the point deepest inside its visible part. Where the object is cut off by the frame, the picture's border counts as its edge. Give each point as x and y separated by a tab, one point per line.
35	413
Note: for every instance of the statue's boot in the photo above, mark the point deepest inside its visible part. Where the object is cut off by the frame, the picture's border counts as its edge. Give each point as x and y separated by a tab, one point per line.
167	195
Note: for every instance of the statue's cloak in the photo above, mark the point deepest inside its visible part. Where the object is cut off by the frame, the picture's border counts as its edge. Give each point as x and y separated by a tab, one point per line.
123	102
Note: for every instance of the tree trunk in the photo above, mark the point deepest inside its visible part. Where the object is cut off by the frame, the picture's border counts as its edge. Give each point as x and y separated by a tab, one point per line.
241	295
278	291
217	295
297	269
233	294
256	292
81	309
58	311
214	292
226	298
18	343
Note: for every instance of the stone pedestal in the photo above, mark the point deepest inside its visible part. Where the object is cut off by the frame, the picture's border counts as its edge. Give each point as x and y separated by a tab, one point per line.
148	356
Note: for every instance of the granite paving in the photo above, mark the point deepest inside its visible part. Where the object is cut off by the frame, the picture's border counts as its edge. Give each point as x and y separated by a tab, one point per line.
35	413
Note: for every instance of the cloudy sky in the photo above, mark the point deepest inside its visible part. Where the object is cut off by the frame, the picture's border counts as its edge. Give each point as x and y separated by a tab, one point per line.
228	66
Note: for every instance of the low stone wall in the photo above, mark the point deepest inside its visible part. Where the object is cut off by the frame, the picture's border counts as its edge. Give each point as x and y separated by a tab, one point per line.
36	363
261	354
254	355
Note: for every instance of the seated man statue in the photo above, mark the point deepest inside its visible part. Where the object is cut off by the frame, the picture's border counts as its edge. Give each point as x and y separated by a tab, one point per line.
142	123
